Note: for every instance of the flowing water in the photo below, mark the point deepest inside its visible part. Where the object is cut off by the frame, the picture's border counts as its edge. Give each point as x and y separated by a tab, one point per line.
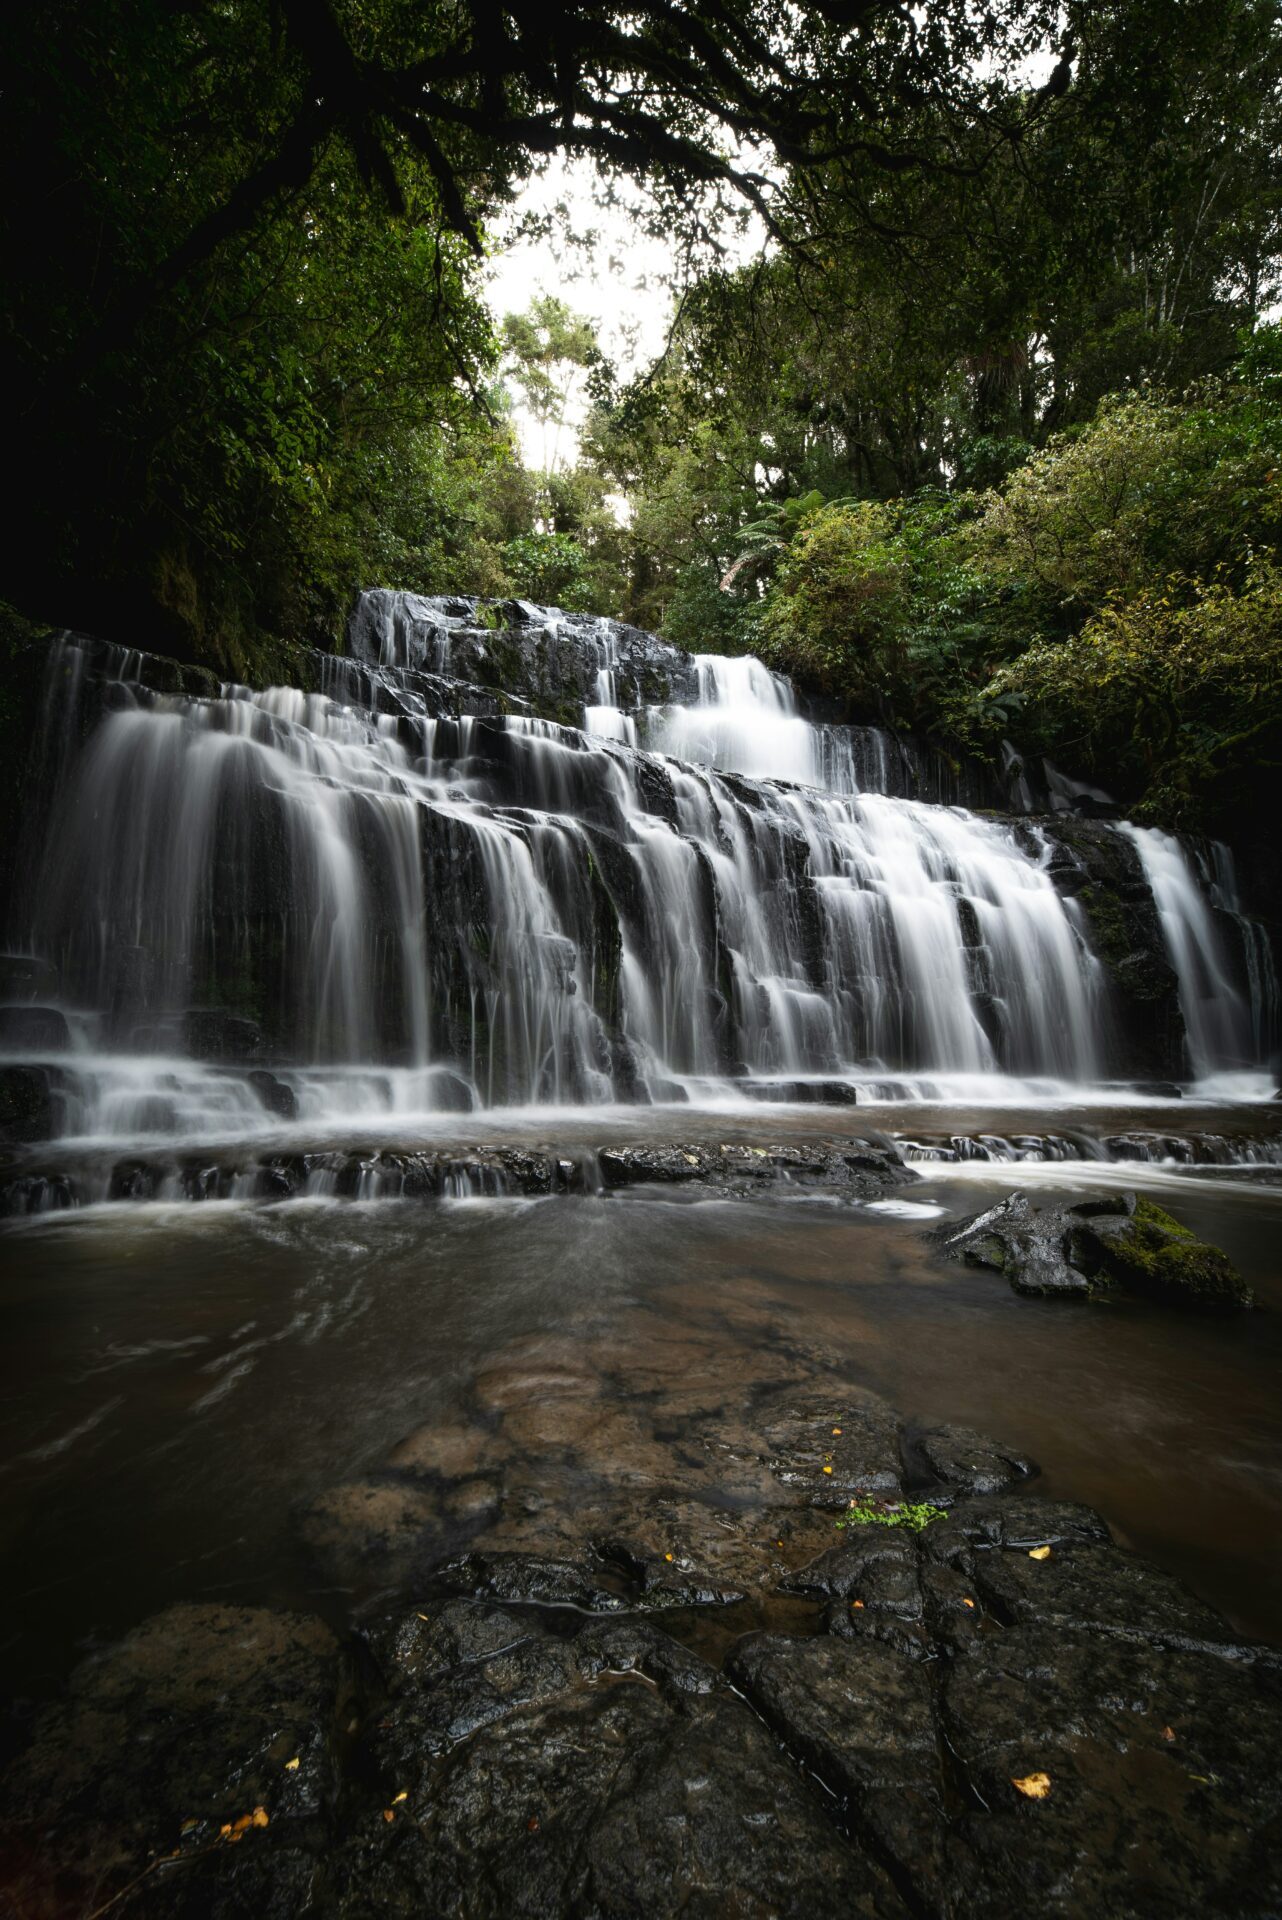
313	930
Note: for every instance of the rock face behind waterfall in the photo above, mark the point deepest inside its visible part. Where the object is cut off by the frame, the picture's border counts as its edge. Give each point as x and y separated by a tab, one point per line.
496	856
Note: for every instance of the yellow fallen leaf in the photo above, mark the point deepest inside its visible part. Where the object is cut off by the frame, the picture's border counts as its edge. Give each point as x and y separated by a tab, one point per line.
397	1798
778	1543
836	1429
258	1817
1039	1553
667	1556
827	1469
1033	1786
422	1616
292	1766
966	1601
223	1831
856	1603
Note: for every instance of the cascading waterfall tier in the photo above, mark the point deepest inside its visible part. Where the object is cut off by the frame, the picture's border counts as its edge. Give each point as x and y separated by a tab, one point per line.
346	904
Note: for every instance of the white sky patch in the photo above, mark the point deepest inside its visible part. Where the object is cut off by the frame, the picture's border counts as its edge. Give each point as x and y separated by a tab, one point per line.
626	281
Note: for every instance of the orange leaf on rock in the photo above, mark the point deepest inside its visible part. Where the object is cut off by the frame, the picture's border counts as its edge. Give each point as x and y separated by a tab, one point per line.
1039	1553
1033	1786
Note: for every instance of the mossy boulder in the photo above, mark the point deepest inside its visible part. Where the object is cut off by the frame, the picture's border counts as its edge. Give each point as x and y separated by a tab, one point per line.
1151	1252
1083	1250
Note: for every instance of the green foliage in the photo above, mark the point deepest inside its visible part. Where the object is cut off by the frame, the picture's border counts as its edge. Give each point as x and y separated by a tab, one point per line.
840	605
914	1516
547	567
1116	604
1149	484
1179	688
877	602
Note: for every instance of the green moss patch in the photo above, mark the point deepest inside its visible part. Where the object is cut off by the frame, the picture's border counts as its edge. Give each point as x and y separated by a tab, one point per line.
1152	1252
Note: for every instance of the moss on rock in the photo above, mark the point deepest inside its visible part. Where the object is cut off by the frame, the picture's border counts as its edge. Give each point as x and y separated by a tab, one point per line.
1152	1252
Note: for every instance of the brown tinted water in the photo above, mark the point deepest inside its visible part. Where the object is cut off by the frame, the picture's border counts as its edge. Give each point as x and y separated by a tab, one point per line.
180	1382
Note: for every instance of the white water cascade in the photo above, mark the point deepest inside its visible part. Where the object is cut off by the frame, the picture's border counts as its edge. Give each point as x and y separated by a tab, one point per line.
1225	1029
340	908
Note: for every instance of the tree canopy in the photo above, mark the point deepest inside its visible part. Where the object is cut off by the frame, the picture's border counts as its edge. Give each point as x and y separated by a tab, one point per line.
996	393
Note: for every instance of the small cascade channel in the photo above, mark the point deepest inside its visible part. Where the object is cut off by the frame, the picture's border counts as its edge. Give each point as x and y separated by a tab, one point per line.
401	894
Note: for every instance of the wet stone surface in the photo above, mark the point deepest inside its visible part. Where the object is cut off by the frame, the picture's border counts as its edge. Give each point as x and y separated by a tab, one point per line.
1105	1240
998	1712
853	1169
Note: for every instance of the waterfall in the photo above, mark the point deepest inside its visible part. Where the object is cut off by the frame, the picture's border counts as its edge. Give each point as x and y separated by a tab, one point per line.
1227	1030
361	903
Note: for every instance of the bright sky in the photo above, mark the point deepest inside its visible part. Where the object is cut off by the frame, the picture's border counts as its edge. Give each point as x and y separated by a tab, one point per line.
623	281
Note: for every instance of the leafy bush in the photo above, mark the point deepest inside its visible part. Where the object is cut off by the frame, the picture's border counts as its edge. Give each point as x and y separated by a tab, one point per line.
1177	689
839	611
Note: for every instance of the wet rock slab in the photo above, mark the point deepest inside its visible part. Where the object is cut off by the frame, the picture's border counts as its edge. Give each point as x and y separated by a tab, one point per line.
945	1702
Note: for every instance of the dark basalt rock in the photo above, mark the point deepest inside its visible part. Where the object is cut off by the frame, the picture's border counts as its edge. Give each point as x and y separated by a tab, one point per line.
817	1093
861	1168
274	1094
862	1719
29	1103
184	1727
1154	1254
211	1033
834	1448
532	1578
520	1740
24	977
1084	1248
34	1029
606	1775
964	1462
1164	1788
1022	1241
542	658
1100	869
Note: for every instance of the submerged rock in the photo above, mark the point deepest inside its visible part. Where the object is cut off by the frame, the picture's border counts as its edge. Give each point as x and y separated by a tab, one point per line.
1084	1248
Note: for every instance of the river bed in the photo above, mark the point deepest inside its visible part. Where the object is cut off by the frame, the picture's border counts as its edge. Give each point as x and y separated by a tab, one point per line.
181	1381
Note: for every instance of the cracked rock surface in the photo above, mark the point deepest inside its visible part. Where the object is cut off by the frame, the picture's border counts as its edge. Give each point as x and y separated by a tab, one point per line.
692	1693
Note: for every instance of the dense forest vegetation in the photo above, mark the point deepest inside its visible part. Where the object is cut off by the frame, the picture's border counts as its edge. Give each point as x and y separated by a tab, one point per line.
987	443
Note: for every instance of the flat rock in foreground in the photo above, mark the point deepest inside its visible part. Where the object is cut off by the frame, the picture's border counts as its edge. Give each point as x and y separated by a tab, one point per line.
984	1707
